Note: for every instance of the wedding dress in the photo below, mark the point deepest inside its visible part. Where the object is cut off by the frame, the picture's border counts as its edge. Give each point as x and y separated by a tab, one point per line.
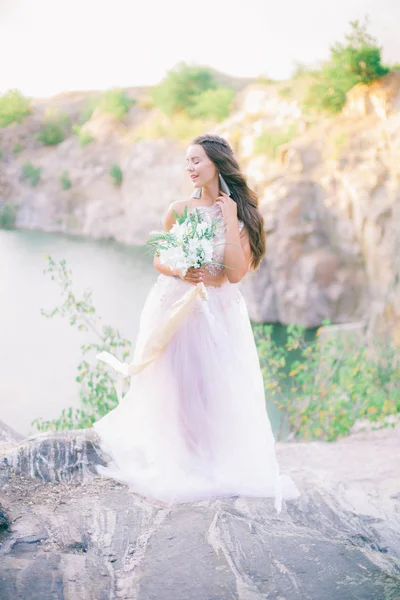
194	424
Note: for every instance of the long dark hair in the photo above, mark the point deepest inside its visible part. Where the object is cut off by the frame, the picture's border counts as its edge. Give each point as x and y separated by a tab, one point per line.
221	154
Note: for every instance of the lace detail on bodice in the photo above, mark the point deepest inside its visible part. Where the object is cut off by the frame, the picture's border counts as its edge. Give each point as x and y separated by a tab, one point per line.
210	213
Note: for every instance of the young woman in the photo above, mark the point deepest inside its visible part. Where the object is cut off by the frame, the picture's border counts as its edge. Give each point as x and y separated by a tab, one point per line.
194	424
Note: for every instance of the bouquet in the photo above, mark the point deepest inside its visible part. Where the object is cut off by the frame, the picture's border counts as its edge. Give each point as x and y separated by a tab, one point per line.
187	244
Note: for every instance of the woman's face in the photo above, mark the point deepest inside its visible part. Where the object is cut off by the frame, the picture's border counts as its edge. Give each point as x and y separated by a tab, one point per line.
199	167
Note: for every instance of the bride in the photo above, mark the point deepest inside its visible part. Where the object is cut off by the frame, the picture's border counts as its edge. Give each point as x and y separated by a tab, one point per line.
194	424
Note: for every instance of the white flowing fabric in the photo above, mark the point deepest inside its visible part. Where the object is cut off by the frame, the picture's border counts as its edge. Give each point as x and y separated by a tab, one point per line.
194	424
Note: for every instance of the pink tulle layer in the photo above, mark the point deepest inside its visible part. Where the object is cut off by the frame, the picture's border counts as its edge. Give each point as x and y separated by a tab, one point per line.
193	424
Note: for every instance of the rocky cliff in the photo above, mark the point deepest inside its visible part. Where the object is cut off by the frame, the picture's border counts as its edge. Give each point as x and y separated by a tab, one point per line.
66	534
329	195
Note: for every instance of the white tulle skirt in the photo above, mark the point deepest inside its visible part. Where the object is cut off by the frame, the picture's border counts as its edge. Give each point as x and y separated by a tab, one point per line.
194	424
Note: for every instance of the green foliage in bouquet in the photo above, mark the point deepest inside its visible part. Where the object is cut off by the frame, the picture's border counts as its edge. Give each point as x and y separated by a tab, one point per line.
97	392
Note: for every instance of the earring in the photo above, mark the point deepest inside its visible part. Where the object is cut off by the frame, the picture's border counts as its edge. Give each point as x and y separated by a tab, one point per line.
223	185
197	193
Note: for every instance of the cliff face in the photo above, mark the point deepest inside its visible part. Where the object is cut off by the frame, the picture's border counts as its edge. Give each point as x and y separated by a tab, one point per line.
67	534
330	197
331	203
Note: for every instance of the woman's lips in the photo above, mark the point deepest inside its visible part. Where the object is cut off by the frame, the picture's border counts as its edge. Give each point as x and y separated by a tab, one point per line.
193	177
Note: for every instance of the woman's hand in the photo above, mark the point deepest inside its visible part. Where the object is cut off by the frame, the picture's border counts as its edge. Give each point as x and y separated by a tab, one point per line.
228	207
193	275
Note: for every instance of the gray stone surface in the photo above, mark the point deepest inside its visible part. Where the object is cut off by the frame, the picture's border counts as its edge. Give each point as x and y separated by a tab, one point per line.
8	435
73	535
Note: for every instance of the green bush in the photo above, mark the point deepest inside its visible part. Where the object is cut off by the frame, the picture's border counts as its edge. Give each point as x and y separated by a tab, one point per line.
97	392
51	133
268	143
65	181
31	174
116	174
356	61
180	89
13	108
8	215
17	148
84	137
329	386
115	102
212	104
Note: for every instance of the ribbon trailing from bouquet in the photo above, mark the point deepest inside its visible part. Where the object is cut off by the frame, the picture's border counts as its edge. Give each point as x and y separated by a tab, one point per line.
157	340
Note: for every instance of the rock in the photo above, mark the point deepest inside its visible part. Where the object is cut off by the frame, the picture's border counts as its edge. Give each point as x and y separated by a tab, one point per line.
305	277
61	457
8	435
4	522
87	537
381	97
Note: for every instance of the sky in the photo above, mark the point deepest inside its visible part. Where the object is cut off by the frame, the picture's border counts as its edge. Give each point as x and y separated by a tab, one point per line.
51	46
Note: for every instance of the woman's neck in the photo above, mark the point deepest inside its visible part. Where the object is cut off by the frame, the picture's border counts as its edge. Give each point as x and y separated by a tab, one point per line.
210	192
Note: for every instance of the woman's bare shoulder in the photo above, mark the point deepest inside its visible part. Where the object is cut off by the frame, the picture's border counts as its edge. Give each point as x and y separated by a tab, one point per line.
178	206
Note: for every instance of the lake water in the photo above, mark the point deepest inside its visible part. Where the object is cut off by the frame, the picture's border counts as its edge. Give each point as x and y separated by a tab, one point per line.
39	356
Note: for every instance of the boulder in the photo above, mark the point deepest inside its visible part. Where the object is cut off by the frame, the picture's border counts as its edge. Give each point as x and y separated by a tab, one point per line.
74	535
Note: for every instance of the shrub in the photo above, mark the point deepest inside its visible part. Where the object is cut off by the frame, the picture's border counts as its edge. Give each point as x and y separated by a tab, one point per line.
116	174
97	393
115	102
84	137
329	386
180	89
51	133
212	104
13	108
8	215
356	61
31	174
17	148
65	181
268	143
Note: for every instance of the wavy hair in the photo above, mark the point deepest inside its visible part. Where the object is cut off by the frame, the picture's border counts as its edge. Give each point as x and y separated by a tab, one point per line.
221	154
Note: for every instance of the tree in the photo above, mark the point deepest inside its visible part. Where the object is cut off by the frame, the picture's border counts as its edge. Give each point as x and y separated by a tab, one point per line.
179	90
358	60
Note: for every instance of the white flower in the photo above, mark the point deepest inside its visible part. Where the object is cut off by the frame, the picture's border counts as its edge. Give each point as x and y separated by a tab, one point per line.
174	257
187	244
201	228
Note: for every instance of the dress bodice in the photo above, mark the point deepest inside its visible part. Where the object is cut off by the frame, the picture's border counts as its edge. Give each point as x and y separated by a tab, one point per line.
210	213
